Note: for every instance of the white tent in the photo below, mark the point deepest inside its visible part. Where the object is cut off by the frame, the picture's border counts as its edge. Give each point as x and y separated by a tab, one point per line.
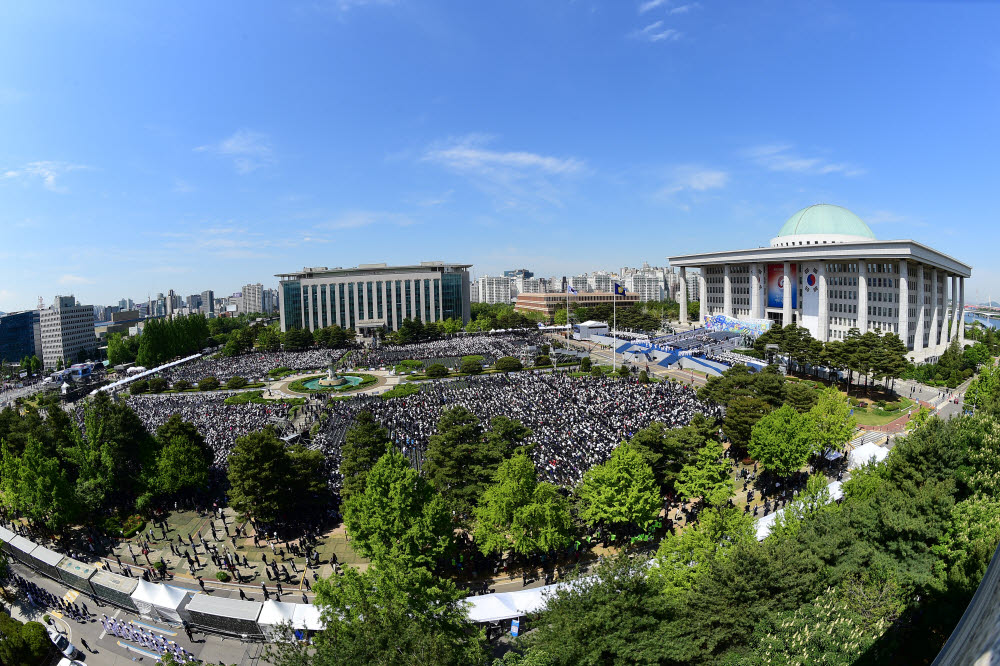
766	524
866	453
161	602
836	490
491	607
299	616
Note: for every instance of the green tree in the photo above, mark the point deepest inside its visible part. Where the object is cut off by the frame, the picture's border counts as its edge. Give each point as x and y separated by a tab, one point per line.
801	396
813	499
782	441
458	462
621	491
708	477
614	616
436	371
586	364
683	557
259	470
471	366
390	614
518	513
23	643
508	364
209	384
269	340
158	385
37	487
398	516
833	424
297	339
505	438
742	414
181	467
138	386
667	450
543	361
235	383
364	443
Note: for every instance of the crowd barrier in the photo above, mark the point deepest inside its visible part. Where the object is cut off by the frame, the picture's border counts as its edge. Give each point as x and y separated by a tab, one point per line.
159	602
249	620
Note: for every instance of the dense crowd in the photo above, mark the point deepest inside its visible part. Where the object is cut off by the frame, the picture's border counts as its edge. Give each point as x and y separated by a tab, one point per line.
220	424
490	346
253	365
576	422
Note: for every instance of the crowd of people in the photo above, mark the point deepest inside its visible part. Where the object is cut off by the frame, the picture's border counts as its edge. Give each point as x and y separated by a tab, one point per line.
146	638
576	422
220	424
253	365
490	346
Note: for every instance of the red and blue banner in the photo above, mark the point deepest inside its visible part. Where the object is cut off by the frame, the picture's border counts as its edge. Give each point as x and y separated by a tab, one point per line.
776	286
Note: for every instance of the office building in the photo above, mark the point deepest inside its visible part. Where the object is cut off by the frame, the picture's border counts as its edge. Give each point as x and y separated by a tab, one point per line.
20	336
826	271
547	304
208	302
374	297
519	273
67	330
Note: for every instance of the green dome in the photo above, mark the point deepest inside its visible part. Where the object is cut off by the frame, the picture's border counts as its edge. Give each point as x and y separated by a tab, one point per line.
825	219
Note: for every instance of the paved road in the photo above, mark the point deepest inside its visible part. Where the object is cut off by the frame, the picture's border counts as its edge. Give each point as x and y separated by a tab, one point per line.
106	650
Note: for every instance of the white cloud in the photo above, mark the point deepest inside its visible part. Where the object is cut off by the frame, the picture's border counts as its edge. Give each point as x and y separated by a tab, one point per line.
516	179
782	158
695	179
249	150
47	170
650	5
70	279
363	218
655	32
468	155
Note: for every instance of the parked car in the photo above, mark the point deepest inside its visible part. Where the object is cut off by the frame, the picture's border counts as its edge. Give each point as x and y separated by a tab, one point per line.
62	643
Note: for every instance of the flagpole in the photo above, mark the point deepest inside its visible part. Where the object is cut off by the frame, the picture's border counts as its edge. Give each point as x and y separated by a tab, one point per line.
614	327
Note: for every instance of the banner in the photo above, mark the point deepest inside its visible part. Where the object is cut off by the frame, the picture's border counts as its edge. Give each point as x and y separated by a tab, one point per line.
776	286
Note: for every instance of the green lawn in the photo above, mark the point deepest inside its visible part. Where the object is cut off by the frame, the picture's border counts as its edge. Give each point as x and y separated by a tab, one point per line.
873	416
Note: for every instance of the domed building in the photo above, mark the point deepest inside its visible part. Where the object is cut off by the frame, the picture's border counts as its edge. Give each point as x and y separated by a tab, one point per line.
826	271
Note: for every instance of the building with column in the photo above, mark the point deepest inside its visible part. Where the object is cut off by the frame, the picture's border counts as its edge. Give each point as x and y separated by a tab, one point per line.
374	297
826	271
67	329
547	304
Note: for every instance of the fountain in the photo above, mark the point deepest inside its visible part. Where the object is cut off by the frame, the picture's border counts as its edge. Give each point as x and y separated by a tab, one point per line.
332	379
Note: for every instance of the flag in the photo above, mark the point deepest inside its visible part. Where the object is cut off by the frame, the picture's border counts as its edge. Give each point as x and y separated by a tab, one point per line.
570	289
619	290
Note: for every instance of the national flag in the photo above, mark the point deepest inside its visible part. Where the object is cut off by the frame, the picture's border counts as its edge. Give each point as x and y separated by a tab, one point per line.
570	289
619	290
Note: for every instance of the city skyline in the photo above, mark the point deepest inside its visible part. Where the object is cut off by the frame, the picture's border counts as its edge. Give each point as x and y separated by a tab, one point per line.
181	147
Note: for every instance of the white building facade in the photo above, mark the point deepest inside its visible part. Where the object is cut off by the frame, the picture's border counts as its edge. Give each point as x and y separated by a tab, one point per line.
494	290
66	329
373	297
826	271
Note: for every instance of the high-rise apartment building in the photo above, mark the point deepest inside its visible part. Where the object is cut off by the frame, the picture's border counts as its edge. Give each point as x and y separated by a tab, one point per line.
208	302
67	329
494	289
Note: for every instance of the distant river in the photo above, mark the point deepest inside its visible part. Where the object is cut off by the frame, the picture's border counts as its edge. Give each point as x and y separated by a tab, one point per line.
993	322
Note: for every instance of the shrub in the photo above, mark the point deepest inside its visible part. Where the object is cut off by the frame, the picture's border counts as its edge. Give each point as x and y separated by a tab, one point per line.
855	402
222	576
474	357
236	383
157	385
208	384
508	364
138	387
544	350
279	372
643	377
471	366
436	371
132	526
596	371
182	385
585	364
623	371
542	361
408	366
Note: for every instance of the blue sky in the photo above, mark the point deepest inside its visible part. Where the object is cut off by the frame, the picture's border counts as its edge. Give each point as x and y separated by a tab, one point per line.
204	145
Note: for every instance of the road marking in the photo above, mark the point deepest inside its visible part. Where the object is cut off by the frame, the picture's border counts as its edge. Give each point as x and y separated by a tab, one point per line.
132	648
71	596
153	627
105	633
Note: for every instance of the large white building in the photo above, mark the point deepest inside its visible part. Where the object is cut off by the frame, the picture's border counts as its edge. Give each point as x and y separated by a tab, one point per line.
826	271
373	297
67	329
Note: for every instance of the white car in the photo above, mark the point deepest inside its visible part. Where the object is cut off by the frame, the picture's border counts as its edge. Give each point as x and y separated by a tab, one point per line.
62	643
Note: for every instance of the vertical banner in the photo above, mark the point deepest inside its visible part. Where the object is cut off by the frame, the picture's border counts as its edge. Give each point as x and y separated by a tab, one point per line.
515	627
776	286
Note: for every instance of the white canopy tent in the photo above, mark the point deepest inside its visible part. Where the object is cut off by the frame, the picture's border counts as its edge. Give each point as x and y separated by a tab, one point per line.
766	523
865	454
161	602
299	616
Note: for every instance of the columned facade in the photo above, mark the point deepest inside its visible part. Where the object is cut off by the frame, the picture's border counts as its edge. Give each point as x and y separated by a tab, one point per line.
827	272
375	296
684	296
